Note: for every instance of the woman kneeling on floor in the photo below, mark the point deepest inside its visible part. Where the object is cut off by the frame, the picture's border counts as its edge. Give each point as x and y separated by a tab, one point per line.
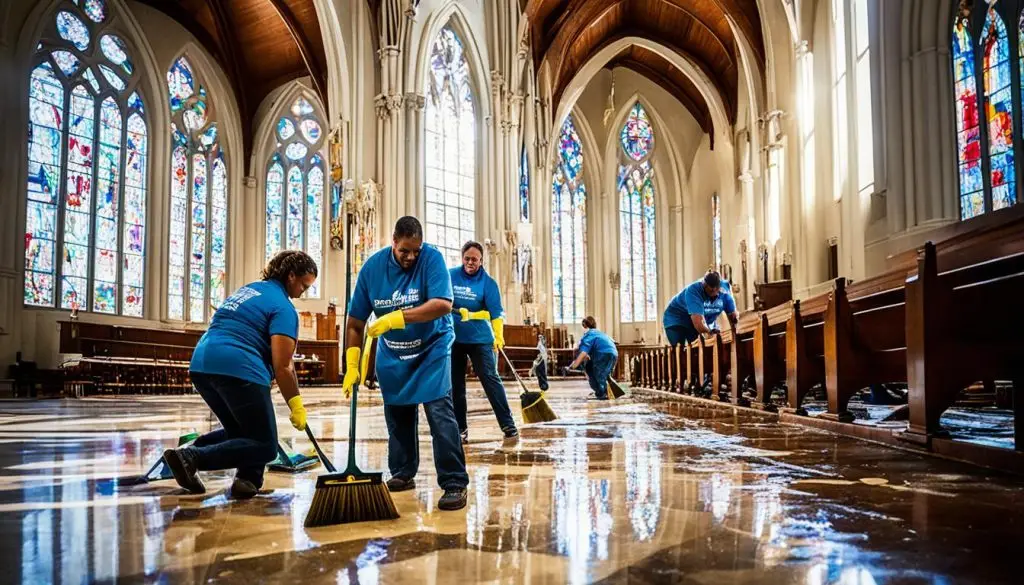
250	342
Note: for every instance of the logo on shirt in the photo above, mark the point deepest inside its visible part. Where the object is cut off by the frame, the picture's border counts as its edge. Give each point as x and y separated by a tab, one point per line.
464	292
240	296
399	300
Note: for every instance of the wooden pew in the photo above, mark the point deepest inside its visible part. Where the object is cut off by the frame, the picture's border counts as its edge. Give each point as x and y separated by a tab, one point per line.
770	353
949	348
715	361
805	350
741	349
864	336
691	357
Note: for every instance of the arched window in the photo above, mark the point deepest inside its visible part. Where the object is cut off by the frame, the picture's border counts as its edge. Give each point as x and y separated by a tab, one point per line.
450	148
985	157
639	276
199	201
524	187
999	110
853	107
968	131
569	229
87	175
295	186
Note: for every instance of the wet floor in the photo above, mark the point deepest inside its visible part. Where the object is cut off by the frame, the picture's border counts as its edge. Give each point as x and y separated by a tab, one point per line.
626	491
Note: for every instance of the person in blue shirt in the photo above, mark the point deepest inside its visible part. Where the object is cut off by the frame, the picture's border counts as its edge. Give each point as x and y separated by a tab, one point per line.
696	309
479	331
407	287
599	351
250	342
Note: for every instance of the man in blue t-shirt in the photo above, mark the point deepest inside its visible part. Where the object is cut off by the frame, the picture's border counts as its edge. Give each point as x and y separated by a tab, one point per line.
696	309
600	354
407	287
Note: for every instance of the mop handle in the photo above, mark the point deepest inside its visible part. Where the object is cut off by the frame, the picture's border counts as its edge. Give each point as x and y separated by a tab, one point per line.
327	462
513	368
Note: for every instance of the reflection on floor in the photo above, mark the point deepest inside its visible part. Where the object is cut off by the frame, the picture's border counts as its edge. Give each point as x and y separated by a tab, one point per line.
627	491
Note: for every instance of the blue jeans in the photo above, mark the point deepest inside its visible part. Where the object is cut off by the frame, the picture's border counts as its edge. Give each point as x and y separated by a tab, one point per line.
599	369
677	334
404	444
482	356
248	437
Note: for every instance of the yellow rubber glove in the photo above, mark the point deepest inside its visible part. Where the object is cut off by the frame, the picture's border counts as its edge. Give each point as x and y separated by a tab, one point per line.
364	367
498	325
351	371
298	415
475	315
393	320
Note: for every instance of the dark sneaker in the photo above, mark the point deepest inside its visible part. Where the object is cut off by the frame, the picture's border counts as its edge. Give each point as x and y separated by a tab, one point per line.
243	489
592	397
453	499
510	433
401	484
185	472
465	436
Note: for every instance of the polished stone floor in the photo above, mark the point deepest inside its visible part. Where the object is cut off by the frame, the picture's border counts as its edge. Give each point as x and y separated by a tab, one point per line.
627	491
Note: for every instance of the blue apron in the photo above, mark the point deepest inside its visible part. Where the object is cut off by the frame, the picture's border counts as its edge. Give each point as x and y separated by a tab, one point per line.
413	365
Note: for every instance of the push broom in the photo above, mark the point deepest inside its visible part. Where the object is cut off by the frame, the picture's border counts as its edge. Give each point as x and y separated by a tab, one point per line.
352	495
535	405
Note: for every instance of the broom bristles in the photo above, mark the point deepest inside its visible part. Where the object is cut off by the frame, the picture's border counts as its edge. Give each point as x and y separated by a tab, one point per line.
536	408
339	500
616	388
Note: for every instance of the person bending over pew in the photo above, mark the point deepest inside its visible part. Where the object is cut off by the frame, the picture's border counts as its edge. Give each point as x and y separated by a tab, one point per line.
696	308
598	350
250	343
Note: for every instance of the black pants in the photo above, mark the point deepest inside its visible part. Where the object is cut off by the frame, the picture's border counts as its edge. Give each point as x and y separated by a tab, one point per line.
541	371
482	356
248	437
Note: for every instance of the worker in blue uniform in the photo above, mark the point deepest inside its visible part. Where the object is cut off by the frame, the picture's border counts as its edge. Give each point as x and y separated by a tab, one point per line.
696	308
250	342
407	287
599	352
479	332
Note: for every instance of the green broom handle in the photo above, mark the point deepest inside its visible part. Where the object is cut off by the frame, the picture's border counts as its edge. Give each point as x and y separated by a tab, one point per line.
513	368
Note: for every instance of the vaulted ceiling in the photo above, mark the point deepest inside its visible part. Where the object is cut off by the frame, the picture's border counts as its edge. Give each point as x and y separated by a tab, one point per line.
567	33
260	44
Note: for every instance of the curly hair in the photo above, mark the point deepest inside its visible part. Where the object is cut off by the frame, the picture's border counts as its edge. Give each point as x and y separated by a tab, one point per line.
288	262
590	322
473	244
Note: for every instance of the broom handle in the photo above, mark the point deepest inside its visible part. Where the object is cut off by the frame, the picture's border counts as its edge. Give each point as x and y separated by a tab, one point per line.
513	368
323	458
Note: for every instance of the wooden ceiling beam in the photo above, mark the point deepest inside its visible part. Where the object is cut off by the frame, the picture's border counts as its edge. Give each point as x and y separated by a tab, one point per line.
176	12
316	71
722	85
701	114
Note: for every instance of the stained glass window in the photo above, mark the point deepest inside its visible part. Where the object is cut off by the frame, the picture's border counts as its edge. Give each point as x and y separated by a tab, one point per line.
637	137
197	267
972	196
450	148
982	58
295	186
638	260
524	187
999	110
569	233
96	192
